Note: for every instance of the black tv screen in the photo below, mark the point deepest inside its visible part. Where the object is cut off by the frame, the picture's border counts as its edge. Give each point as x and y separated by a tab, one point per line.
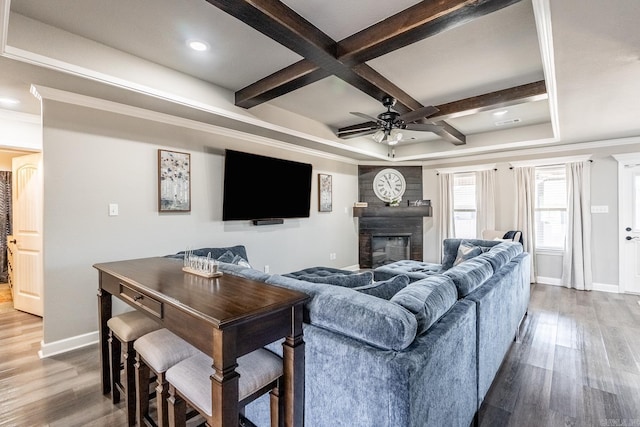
260	187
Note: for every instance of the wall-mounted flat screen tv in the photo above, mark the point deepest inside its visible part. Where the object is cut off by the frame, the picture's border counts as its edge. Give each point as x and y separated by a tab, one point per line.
260	187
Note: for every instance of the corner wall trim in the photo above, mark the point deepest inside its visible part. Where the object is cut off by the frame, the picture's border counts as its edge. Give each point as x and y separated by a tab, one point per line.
67	344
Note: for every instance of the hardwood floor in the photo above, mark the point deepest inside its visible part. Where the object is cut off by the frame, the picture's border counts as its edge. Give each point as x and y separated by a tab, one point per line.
577	364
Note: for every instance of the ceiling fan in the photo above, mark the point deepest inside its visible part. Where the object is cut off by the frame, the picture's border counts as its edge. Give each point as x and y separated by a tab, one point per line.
388	126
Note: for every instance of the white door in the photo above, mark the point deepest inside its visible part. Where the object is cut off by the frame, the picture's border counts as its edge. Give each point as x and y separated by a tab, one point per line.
27	233
629	221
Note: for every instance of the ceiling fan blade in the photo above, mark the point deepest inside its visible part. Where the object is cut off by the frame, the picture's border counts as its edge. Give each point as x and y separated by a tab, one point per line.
420	113
354	131
364	116
423	127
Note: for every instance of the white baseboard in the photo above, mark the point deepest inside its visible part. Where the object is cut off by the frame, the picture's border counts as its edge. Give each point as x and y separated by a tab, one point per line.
600	287
67	344
606	287
354	267
553	281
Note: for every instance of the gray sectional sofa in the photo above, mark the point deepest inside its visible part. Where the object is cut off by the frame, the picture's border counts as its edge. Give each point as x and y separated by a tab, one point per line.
394	353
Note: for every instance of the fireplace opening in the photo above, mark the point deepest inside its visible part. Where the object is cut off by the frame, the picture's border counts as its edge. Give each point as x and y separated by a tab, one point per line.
386	248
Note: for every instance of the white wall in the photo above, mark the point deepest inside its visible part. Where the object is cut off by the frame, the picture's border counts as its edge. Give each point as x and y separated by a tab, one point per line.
93	158
604	192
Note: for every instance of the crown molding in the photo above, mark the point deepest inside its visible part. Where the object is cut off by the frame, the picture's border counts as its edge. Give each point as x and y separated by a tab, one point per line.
52	94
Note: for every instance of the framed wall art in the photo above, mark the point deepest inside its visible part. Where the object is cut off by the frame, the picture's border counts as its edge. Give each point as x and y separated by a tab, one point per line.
174	181
325	203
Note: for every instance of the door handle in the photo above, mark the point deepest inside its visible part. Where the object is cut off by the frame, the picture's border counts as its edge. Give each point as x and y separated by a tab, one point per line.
632	238
13	241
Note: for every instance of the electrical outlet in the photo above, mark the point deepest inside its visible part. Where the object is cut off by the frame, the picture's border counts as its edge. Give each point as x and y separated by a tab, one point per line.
332	255
266	268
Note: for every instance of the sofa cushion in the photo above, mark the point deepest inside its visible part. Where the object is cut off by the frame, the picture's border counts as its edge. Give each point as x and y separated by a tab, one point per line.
308	288
466	251
373	320
385	289
415	270
450	249
242	271
501	254
344	280
428	299
469	275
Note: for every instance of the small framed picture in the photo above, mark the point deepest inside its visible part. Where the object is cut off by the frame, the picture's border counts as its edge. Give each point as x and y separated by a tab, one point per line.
174	181
325	203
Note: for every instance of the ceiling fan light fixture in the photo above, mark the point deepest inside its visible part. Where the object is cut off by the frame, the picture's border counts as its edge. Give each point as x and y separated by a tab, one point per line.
379	136
394	137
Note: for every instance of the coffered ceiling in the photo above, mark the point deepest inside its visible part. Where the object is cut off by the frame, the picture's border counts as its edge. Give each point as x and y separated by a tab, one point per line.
503	74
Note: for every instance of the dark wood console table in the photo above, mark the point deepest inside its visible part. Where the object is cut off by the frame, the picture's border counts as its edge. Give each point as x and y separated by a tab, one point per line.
225	317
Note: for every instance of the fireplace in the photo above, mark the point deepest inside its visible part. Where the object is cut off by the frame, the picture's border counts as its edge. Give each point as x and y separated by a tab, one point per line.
386	248
387	234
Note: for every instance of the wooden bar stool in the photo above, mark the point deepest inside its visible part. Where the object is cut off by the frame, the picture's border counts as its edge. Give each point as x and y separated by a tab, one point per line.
189	383
156	352
124	329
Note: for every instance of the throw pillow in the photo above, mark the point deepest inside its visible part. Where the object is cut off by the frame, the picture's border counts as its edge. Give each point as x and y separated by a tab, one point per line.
516	236
466	251
240	261
385	289
344	280
226	257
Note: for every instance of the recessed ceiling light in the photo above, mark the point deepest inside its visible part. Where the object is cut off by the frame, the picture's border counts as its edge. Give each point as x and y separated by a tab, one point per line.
9	101
198	45
500	113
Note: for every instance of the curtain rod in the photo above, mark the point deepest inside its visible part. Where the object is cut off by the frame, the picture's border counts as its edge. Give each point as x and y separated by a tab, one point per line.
557	164
453	173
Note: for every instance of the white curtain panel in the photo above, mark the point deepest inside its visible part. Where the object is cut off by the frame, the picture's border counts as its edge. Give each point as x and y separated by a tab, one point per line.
576	265
444	213
485	201
525	211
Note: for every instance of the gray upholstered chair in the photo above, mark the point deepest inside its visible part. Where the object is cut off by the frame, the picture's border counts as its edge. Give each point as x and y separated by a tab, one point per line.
189	383
124	330
156	352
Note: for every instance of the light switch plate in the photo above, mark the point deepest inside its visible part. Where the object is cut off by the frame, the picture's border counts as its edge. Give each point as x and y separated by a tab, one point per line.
600	209
113	209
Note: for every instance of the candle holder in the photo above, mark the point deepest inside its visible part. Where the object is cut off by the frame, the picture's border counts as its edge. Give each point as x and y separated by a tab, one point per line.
200	265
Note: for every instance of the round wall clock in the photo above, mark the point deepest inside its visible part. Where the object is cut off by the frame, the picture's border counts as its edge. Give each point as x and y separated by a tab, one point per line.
389	184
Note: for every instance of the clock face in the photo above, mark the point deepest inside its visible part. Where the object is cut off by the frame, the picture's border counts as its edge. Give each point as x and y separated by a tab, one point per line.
389	184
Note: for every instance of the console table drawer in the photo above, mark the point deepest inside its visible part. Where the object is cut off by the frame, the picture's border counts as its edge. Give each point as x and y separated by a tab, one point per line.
143	301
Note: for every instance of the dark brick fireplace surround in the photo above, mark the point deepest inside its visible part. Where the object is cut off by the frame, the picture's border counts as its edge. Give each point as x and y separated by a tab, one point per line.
389	223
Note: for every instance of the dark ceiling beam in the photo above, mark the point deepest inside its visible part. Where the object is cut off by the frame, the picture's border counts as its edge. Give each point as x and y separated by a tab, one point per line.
529	92
499	99
277	21
298	75
413	24
418	22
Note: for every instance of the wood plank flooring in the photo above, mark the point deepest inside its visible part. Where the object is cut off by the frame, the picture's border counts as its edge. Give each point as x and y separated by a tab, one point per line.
577	364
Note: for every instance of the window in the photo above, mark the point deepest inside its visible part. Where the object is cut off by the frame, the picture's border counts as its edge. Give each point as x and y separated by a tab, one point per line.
464	205
551	207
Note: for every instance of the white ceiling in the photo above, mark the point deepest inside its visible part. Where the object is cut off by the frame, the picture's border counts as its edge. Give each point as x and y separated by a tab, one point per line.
587	52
